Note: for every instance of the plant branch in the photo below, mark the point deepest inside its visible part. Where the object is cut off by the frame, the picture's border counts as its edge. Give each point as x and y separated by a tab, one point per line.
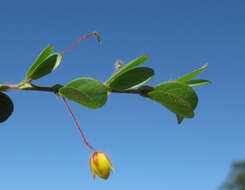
131	91
29	86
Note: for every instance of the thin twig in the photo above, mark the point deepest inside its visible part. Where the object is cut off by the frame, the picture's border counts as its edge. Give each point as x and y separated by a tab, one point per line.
78	41
132	91
78	126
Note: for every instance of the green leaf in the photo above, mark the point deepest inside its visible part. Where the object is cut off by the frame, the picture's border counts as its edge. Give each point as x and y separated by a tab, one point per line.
198	82
134	63
177	97
192	75
47	66
41	57
180	89
132	78
6	107
85	91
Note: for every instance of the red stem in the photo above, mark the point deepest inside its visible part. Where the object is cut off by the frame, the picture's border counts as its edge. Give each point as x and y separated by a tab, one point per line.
78	41
78	126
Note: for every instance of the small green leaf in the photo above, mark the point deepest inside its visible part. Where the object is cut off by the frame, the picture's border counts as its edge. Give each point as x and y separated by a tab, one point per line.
132	78
198	82
177	97
47	66
134	63
98	38
85	91
6	107
41	57
192	75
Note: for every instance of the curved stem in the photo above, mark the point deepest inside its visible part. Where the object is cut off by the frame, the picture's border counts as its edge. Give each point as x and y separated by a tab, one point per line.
78	41
78	126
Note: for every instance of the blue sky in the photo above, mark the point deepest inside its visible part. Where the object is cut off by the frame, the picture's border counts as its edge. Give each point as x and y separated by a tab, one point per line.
40	147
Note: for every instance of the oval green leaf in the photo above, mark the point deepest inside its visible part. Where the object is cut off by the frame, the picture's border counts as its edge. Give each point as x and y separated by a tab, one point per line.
132	64
177	97
192	75
40	58
180	89
47	66
132	78
85	91
6	107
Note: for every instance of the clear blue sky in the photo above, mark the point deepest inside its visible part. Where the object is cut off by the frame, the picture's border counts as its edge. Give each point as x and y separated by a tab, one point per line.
39	146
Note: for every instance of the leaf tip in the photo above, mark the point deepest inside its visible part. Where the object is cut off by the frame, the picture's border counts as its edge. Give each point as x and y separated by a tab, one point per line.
50	46
204	66
179	119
